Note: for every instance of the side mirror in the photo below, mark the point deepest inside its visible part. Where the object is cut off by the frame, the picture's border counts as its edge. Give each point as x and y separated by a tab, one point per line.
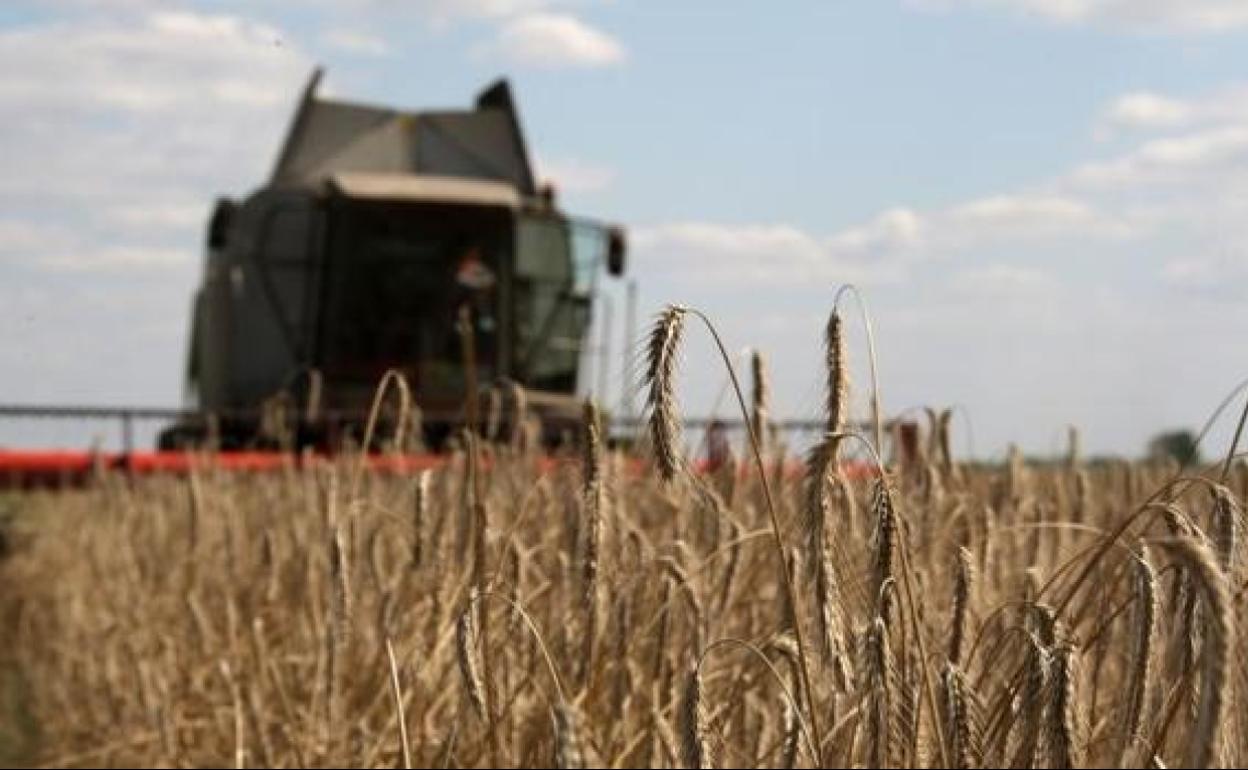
219	223
616	248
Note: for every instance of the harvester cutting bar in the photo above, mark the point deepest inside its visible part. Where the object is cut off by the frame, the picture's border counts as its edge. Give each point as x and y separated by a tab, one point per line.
62	469
171	413
128	415
67	470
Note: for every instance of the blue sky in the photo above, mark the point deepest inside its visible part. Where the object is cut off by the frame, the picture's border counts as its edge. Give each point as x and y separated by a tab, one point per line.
1043	201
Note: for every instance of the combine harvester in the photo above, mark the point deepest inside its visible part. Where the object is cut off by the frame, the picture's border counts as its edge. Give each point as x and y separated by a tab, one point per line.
384	240
379	233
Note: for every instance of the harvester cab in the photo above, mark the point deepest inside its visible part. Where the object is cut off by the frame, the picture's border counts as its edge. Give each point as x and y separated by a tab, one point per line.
378	232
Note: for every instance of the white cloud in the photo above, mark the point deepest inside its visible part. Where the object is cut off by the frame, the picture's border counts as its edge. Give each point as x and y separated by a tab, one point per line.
1014	210
157	215
889	232
1028	216
1220	278
999	280
445	10
740	244
191	27
161	62
357	42
1189	272
1151	112
21	238
554	40
885	249
60	248
119	258
1188	16
749	255
1170	160
1147	110
574	175
131	124
705	239
438	12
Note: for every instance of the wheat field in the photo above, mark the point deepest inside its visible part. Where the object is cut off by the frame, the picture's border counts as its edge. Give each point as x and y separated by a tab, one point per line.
619	610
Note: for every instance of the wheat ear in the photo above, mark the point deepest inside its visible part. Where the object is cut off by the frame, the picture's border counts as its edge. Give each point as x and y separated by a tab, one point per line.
664	421
695	750
1143	635
1205	745
761	397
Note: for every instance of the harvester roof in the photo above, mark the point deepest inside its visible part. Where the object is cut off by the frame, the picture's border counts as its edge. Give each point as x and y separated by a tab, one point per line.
332	139
381	185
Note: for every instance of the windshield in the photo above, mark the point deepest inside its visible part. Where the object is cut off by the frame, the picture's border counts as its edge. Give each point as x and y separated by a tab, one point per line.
555	265
398	275
589	254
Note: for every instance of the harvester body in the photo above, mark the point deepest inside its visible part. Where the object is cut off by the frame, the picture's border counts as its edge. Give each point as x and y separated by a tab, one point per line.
378	232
